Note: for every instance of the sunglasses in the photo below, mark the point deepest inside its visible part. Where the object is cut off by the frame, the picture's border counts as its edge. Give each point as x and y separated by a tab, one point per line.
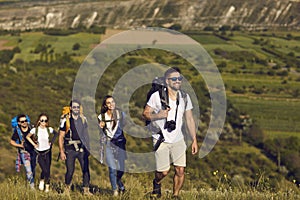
176	78
44	120
23	121
75	107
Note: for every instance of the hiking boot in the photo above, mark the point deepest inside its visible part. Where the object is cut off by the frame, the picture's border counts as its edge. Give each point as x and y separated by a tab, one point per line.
175	197
122	191
47	188
86	191
67	189
41	185
115	193
156	193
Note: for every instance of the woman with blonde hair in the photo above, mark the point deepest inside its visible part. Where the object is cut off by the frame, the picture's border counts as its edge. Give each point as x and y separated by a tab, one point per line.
39	137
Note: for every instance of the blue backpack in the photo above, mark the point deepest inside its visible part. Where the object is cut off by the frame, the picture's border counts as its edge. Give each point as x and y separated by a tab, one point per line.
14	125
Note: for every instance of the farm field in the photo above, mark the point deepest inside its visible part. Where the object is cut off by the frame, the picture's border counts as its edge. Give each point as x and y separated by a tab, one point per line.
274	107
255	88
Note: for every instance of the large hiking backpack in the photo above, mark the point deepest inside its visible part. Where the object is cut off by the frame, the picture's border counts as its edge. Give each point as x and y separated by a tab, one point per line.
65	114
14	125
158	84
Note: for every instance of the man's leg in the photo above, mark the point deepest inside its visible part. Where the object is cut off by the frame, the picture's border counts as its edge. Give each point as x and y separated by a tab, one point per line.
178	180
84	164
25	157
70	165
178	154
162	168
33	156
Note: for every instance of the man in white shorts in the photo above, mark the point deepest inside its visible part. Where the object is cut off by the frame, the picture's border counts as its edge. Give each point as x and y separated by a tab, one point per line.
170	120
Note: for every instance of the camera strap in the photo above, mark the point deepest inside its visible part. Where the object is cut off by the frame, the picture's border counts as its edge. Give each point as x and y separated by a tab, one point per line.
177	104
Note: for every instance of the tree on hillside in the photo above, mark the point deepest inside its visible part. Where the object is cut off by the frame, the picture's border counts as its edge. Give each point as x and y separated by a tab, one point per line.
6	56
255	135
76	46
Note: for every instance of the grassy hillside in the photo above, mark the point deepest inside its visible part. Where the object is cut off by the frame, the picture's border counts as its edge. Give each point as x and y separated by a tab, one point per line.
138	191
41	81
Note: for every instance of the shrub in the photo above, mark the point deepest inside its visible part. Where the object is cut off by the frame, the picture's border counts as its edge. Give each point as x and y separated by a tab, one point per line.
76	47
238	90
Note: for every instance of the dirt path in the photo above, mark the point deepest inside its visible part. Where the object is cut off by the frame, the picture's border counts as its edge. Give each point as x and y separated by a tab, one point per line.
2	45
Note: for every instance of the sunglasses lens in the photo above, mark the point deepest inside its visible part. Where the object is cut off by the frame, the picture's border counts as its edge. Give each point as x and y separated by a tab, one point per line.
76	107
176	78
23	121
44	120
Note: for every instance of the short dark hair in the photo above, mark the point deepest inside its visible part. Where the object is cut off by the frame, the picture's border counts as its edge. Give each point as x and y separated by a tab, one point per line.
74	101
21	116
171	70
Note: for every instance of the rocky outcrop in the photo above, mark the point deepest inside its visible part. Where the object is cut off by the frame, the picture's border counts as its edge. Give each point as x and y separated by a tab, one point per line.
190	14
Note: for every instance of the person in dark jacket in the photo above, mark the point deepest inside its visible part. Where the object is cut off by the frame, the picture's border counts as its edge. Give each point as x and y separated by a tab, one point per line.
74	144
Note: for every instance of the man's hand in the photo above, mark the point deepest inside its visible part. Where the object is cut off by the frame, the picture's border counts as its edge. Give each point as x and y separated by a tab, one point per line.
163	113
63	155
194	147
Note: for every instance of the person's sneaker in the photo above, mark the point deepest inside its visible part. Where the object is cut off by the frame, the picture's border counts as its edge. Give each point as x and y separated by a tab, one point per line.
156	193
175	197
67	190
115	193
32	186
122	191
47	188
41	185
86	191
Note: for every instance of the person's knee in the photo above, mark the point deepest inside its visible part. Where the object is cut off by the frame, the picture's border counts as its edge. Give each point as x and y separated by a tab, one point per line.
179	171
165	173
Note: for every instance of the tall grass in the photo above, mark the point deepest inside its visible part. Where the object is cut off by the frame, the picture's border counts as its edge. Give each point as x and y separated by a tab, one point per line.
16	188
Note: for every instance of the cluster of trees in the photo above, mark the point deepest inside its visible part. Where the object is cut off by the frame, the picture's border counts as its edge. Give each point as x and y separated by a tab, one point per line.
7	55
286	152
240	56
224	28
64	32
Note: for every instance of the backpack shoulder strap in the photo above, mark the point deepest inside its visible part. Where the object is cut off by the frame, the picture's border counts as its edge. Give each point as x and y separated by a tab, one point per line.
19	134
48	130
120	116
184	96
164	98
103	119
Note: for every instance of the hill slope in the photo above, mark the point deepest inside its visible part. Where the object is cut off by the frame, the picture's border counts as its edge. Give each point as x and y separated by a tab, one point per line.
126	14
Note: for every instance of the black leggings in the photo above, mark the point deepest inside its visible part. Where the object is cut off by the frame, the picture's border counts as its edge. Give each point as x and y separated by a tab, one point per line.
44	160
